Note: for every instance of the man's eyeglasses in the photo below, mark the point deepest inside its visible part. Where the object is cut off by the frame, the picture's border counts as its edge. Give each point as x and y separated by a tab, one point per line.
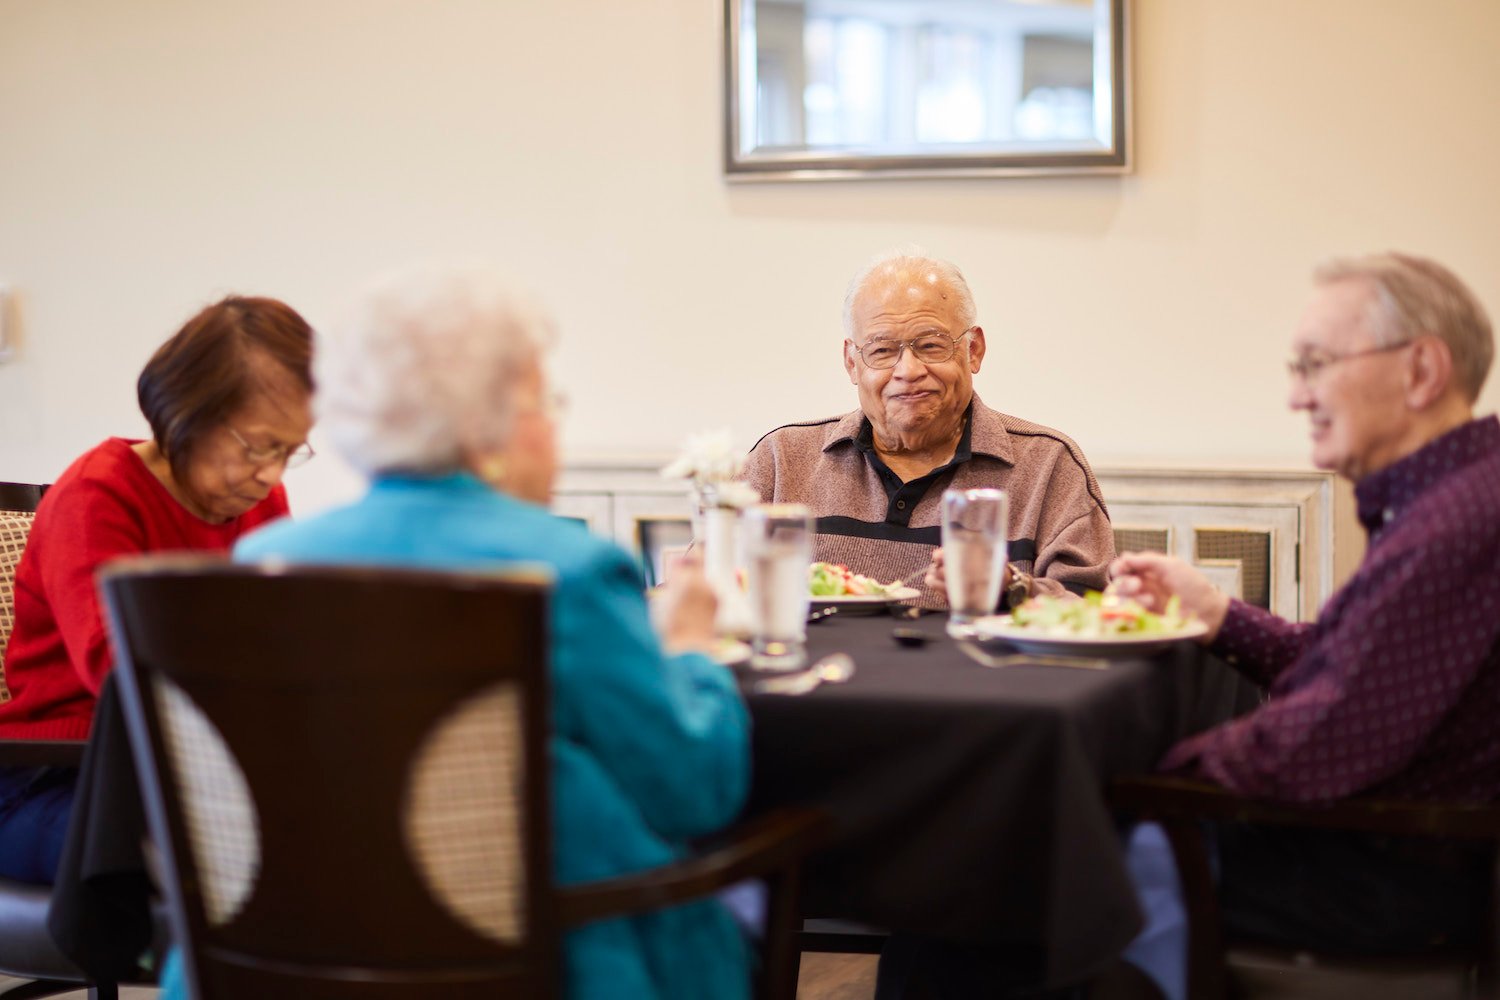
1309	366
275	455
930	349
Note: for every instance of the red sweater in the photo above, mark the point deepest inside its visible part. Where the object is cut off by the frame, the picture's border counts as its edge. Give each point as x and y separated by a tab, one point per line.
107	504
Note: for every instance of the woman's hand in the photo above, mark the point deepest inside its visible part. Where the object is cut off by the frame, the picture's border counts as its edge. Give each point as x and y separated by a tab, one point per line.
1152	578
684	607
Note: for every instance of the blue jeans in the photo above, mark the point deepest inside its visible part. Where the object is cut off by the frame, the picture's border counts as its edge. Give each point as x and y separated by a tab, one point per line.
1160	950
35	803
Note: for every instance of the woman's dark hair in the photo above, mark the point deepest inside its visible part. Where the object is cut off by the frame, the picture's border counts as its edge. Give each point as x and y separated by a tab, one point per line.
204	373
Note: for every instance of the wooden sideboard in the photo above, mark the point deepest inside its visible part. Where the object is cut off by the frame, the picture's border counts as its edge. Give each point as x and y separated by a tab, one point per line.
1280	538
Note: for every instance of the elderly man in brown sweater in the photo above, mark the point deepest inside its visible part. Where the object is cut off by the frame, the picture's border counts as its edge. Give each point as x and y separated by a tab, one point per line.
875	477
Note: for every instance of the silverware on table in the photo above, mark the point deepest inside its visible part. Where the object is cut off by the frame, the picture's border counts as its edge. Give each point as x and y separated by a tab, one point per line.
985	658
821	613
912	637
835	668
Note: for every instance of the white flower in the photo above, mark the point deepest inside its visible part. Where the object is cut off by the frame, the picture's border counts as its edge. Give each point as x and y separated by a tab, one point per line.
733	493
708	458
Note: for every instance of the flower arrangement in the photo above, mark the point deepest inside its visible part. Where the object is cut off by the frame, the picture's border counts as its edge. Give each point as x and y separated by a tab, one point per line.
713	467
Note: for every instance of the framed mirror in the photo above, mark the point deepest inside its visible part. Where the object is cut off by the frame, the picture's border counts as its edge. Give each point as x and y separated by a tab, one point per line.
849	89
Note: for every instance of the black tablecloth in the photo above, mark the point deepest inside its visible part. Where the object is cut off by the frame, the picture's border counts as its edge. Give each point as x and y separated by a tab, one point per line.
969	801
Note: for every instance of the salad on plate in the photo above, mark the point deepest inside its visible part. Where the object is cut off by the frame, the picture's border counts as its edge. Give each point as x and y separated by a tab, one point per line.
835	580
1101	624
1098	616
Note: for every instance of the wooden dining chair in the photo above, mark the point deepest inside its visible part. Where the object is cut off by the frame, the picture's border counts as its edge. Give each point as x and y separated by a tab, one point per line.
1221	968
18	503
27	950
347	775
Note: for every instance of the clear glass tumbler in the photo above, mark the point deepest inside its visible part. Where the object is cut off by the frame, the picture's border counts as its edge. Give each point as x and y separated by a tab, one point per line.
974	536
778	550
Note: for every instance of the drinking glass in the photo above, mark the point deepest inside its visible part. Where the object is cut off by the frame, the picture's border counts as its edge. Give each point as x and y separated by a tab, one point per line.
974	533
778	550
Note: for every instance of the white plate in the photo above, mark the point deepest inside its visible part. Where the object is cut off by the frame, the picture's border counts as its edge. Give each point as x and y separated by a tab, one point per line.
851	601
1029	640
730	652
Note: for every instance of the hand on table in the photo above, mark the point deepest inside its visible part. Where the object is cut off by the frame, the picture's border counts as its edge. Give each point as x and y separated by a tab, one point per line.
1151	578
684	607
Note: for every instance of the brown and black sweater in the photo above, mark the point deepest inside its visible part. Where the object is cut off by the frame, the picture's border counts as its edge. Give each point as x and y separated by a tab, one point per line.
875	524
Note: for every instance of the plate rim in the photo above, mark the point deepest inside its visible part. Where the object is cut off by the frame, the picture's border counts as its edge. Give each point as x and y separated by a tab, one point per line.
1192	630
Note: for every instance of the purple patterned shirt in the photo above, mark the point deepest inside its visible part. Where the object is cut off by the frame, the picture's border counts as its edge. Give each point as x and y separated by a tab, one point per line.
1395	690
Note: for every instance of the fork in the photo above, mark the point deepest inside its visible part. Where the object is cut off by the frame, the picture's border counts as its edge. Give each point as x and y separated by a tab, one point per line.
907	612
984	658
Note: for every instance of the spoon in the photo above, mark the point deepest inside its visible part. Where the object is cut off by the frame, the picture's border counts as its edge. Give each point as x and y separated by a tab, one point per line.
835	668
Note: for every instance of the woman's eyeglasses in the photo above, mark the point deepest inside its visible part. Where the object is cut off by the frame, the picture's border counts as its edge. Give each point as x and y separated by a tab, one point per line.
290	457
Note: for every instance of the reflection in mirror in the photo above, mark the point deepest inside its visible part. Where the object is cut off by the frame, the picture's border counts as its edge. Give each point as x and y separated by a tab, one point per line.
908	87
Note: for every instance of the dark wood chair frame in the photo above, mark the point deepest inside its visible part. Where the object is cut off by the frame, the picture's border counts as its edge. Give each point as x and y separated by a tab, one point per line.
22	496
201	624
1182	806
42	978
25	497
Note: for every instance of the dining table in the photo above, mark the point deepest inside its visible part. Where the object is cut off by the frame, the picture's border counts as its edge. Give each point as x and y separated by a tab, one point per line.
967	802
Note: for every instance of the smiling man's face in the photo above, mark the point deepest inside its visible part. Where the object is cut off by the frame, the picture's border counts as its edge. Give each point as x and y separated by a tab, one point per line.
913	403
1358	419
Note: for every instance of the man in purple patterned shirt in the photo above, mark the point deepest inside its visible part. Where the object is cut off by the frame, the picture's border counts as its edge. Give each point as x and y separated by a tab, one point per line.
1393	690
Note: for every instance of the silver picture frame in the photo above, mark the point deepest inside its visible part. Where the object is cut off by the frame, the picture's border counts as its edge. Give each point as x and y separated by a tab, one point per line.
1101	145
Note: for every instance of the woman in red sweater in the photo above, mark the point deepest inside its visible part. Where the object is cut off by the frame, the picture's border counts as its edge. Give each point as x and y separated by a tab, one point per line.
227	402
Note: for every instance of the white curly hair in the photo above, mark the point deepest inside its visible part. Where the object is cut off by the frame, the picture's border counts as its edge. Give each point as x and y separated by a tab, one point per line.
422	367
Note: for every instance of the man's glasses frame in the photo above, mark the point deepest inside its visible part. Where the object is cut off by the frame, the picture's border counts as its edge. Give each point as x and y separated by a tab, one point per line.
930	349
1308	367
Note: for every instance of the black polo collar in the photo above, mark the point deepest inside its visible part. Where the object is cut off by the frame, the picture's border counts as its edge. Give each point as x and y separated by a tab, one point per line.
902	497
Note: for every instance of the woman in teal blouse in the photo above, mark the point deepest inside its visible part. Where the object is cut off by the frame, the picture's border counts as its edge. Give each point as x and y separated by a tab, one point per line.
434	387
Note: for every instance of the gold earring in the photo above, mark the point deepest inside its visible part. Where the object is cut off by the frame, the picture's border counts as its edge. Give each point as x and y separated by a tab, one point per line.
492	470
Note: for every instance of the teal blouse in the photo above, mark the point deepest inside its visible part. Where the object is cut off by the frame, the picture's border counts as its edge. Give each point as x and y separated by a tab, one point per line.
648	749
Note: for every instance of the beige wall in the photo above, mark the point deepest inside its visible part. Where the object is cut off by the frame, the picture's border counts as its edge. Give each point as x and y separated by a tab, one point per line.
157	153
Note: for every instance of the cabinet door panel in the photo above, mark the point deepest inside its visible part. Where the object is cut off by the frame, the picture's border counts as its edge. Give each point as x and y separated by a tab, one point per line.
1251	548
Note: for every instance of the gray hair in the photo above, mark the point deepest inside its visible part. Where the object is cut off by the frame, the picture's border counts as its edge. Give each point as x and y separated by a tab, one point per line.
423	367
911	259
1416	296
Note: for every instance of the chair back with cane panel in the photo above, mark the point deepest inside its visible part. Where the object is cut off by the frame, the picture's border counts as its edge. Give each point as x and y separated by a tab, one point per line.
18	503
346	770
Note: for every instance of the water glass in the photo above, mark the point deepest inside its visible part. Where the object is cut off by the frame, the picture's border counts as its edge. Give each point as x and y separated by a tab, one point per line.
778	549
974	534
